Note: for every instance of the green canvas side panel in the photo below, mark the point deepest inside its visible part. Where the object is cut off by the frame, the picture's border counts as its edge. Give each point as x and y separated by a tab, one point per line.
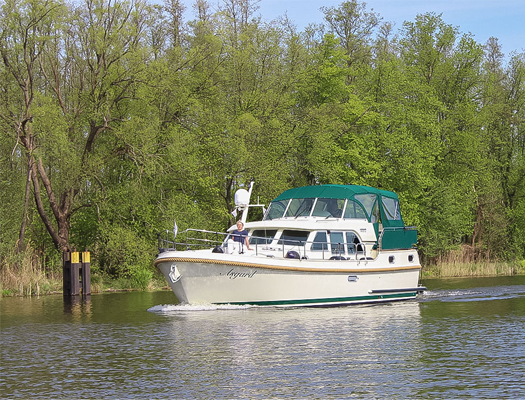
398	238
393	223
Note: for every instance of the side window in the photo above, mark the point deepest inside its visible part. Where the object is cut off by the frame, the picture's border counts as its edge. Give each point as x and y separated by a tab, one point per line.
320	242
337	243
368	201
354	210
261	236
293	238
391	207
351	241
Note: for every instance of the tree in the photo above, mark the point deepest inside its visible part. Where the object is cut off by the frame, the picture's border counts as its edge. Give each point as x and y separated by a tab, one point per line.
353	26
28	27
497	230
443	69
75	69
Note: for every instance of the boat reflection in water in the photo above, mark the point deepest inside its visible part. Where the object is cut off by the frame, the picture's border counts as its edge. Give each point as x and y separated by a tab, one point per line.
315	246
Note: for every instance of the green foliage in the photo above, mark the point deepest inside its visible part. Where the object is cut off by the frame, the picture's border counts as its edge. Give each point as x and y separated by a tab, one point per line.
124	253
516	230
141	278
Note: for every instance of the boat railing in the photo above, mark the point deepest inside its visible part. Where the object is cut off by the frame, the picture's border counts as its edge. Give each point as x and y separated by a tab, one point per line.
166	240
198	239
194	239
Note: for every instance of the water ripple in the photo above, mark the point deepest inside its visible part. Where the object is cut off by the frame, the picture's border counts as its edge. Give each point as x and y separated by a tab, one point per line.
452	343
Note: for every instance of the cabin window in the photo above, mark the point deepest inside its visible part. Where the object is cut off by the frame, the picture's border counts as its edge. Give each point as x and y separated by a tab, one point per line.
337	242
391	207
351	242
293	238
276	209
368	201
354	210
299	208
262	236
328	208
320	242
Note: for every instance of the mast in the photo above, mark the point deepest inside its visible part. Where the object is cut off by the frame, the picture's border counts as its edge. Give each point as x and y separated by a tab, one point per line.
247	206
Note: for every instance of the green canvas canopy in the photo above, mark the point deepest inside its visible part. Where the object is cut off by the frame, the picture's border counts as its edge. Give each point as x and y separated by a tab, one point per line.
385	202
333	192
351	192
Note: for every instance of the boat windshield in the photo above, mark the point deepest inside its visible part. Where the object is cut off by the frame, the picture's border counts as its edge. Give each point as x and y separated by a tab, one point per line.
328	208
299	208
276	210
322	208
338	201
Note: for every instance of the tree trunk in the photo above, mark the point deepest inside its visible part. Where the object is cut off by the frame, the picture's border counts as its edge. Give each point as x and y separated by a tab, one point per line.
21	236
61	237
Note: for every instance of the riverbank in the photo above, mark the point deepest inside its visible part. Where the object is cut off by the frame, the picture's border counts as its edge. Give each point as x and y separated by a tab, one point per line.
34	282
480	269
38	284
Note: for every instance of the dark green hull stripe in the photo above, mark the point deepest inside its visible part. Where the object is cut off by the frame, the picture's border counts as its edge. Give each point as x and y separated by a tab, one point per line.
337	300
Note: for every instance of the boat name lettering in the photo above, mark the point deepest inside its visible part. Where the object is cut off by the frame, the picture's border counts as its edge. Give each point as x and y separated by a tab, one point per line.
234	275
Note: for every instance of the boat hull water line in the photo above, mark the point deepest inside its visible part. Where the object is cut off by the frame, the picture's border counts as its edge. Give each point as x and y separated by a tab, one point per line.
319	245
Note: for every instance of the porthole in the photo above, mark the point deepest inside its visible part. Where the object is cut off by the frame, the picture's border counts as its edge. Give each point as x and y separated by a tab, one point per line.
410	258
391	259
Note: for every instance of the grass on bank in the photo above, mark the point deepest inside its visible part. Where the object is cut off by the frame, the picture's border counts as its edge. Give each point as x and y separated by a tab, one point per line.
39	285
473	269
468	261
25	275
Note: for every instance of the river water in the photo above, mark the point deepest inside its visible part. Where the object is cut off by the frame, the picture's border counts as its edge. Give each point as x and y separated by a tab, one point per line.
463	338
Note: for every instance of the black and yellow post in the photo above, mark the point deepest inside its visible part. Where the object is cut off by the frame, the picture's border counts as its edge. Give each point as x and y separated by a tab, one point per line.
71	271
86	273
77	274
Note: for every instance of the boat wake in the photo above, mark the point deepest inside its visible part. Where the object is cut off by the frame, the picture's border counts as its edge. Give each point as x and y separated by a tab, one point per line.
176	308
474	294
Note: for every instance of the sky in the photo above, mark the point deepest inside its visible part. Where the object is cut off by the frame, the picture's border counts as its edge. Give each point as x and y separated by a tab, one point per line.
502	19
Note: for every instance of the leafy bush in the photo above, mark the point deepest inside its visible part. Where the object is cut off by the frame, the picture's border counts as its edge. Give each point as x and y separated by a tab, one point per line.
141	278
125	254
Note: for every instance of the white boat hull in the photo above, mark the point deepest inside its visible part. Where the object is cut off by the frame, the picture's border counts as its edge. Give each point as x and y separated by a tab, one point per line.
198	277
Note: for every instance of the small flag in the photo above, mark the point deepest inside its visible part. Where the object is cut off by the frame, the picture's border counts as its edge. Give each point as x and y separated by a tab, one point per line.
234	213
175	228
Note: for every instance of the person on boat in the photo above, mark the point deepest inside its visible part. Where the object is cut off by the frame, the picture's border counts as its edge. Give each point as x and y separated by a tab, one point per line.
238	238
